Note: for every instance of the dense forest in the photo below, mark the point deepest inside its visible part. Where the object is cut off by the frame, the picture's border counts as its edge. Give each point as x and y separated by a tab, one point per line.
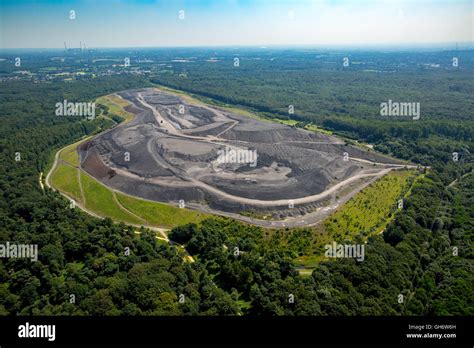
425	254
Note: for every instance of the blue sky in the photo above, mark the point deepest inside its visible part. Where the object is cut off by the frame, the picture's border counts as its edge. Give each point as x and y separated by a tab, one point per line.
156	23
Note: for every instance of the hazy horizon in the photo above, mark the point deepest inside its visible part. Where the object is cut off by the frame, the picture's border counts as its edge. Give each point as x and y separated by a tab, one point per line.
373	47
232	23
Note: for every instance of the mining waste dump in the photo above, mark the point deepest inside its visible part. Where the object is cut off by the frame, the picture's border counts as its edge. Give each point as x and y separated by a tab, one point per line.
204	157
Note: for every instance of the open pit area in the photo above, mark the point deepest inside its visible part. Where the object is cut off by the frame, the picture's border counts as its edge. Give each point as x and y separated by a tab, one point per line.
214	160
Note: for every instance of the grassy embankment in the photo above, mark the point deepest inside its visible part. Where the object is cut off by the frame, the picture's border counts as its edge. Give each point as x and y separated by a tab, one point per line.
365	215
